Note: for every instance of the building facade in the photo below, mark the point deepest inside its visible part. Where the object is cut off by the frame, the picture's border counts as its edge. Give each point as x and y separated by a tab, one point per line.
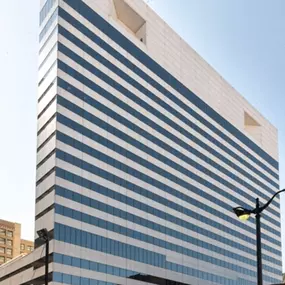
143	150
136	174
11	244
26	246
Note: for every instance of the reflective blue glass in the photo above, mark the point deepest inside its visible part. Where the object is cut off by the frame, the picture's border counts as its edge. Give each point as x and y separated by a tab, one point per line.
54	31
160	228
51	20
142	57
148	257
158	242
162	103
120	181
48	55
46	9
115	147
74	108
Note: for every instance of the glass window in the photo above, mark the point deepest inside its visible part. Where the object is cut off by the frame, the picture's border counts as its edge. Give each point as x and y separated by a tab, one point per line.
2	232
67	260
30	248
9	251
2	259
57	277
48	24
94	266
9	242
22	246
85	264
66	278
2	241
84	281
9	234
75	262
93	282
2	249
75	280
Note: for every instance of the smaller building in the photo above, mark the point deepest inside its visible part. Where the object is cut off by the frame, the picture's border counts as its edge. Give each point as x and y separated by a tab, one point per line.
26	246
11	244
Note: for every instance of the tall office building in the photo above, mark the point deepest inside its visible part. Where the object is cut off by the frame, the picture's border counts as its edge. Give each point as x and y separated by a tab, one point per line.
143	150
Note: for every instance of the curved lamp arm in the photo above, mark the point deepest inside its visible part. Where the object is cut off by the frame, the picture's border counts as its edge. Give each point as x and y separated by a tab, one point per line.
244	213
269	202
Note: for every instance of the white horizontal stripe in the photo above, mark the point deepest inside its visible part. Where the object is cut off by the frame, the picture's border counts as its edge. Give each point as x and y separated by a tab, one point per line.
146	171
142	96
47	81
46	167
143	214
49	129
46	221
149	115
165	85
109	201
42	41
98	214
48	113
45	185
125	207
47	98
44	203
141	183
144	141
186	260
47	149
47	65
48	47
49	14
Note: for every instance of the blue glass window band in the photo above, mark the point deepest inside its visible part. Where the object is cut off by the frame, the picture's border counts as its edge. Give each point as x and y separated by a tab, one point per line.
68	212
158	114
114	53
142	57
168	107
140	131
112	270
64	278
49	23
121	166
154	125
80	238
46	9
91	265
142	206
63	192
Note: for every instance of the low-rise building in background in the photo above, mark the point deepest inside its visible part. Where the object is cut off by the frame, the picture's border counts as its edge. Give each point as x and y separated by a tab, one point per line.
11	244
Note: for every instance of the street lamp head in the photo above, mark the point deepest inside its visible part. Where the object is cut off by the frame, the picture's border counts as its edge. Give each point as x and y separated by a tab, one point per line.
43	234
242	213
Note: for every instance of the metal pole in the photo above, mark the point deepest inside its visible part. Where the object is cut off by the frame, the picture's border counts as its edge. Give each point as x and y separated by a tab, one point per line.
258	244
46	261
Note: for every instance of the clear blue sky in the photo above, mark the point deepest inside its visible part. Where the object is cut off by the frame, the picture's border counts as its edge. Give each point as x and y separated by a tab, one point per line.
243	40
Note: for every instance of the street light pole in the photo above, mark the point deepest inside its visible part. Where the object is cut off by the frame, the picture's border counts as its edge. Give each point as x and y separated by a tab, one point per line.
258	244
44	235
244	214
46	261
